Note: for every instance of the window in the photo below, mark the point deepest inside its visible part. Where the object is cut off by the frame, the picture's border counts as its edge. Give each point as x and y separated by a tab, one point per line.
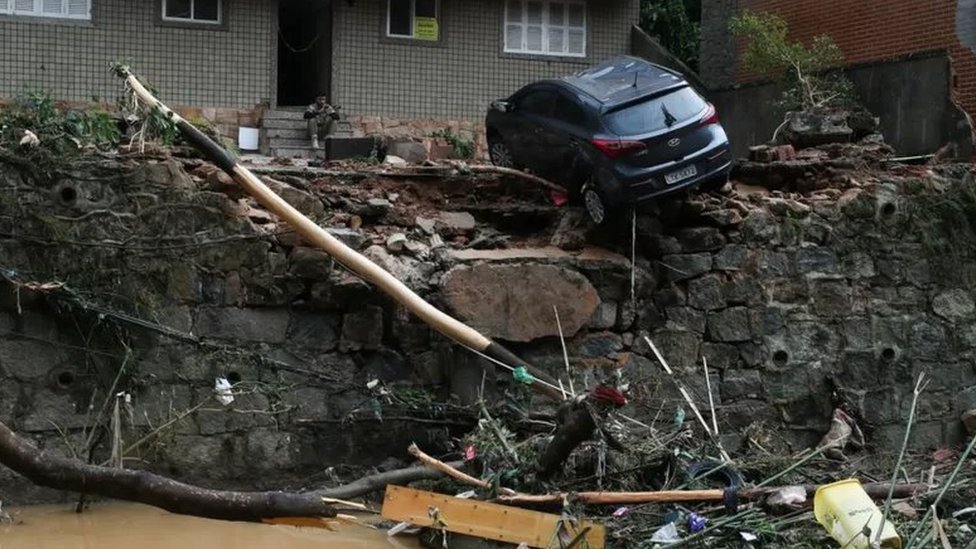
537	102
415	19
656	114
192	11
546	27
569	111
62	9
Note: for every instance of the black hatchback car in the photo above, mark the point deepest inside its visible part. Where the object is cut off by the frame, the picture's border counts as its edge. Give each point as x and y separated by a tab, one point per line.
616	133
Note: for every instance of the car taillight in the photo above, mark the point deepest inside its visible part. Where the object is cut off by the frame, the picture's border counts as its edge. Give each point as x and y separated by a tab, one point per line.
710	117
615	148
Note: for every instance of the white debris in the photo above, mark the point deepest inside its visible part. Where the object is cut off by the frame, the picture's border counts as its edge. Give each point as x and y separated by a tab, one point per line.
29	139
222	388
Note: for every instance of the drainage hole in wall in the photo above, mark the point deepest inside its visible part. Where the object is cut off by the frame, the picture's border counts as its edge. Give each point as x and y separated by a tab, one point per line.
887	354
234	378
888	209
781	357
65	379
69	195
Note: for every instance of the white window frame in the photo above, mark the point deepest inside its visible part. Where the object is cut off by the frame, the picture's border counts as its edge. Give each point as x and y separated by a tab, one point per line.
9	7
565	27
191	18
413	16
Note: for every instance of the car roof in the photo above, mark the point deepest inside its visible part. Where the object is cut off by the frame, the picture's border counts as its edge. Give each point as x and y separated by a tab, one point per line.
622	79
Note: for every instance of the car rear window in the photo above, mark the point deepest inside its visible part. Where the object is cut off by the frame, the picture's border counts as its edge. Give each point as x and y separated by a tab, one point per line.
653	115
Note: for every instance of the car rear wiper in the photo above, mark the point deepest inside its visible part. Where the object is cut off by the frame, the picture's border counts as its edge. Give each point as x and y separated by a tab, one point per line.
669	118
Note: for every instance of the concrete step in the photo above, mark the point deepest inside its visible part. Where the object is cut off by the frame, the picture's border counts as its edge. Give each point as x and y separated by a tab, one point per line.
286	133
284	114
287	124
301	141
293	152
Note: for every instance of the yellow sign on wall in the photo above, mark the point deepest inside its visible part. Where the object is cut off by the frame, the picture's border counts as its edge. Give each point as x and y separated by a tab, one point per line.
425	28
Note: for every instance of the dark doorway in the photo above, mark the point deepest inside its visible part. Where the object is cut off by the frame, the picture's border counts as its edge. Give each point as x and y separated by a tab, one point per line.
304	51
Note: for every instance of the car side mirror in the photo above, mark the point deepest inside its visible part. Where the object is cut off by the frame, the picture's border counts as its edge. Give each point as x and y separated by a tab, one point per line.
503	106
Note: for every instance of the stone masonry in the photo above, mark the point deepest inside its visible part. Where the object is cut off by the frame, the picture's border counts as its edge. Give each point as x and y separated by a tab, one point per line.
799	305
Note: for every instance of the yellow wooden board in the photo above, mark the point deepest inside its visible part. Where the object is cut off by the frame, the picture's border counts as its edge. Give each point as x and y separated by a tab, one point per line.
486	520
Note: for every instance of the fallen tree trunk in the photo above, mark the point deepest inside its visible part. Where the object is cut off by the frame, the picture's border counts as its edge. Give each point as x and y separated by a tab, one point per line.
379	481
74	475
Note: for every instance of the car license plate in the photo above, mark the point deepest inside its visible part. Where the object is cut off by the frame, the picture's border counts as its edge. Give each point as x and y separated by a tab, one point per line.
683	173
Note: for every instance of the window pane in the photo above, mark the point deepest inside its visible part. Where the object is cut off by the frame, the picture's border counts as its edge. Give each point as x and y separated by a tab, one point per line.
51	7
513	37
576	15
514	9
206	10
76	8
538	102
426	8
24	5
556	14
568	111
533	38
534	11
556	40
178	8
650	115
400	18
576	44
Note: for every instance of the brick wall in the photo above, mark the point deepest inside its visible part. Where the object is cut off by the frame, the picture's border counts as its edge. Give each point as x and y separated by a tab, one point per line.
875	30
457	77
228	67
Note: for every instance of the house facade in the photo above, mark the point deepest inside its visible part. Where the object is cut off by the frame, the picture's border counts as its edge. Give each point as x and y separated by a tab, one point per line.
867	31
394	66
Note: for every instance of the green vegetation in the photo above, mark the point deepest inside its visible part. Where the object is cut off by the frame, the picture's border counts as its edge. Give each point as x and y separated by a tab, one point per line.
463	148
806	70
675	24
58	130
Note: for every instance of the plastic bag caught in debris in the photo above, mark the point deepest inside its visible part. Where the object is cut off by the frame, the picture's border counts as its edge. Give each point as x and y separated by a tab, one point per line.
789	495
666	534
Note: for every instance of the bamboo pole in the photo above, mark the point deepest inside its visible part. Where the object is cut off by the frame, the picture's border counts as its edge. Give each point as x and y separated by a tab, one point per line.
874	490
353	260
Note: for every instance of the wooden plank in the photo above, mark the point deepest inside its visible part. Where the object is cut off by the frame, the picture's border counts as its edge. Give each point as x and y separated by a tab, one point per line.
485	520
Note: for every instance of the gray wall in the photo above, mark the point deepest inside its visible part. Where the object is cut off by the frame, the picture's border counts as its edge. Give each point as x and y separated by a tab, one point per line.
910	96
232	66
716	60
460	75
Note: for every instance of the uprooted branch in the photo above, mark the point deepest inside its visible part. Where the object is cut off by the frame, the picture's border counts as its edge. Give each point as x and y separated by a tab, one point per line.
63	473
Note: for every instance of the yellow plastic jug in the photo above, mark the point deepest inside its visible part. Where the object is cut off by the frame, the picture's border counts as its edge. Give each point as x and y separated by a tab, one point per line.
844	509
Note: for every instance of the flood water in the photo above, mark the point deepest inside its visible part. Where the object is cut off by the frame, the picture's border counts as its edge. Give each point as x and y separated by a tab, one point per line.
132	526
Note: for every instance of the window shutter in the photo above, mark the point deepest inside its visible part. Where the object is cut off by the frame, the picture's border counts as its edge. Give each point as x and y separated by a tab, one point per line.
52	7
576	45
24	6
79	8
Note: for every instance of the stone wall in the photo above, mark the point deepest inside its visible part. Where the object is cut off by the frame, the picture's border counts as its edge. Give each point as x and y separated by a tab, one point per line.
155	266
468	129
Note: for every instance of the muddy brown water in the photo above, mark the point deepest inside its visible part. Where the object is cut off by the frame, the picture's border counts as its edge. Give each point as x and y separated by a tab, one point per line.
131	526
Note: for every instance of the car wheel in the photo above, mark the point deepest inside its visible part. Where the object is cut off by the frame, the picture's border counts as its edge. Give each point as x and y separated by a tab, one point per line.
500	154
595	203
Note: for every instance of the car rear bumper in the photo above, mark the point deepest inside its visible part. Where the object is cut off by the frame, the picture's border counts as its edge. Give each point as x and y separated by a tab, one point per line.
710	163
713	162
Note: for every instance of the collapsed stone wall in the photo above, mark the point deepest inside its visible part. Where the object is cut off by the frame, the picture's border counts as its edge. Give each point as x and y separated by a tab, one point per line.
798	304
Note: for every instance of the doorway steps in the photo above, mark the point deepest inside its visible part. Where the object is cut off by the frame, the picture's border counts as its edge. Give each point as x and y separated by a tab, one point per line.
284	134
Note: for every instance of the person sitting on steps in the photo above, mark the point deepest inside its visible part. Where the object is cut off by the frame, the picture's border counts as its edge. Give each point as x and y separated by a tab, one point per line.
321	119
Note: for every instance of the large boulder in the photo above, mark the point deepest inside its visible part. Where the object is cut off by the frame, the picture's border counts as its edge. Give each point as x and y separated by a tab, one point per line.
514	302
